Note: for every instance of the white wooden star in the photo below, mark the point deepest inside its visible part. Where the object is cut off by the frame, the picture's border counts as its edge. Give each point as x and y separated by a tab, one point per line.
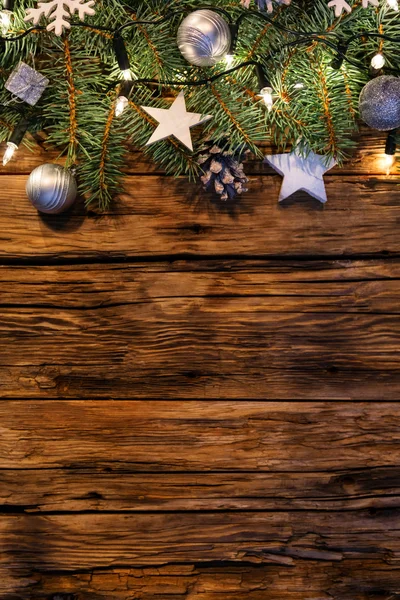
365	3
301	173
175	121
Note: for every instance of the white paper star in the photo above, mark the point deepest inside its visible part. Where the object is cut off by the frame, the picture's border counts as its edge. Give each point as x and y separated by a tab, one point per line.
301	173
175	121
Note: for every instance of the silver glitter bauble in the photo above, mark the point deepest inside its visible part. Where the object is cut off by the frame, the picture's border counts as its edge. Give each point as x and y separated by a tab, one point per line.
380	103
204	38
51	188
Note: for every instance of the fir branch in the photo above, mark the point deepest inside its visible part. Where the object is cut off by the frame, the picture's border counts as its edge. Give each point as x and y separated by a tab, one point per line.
149	41
349	94
231	116
6	125
73	125
326	102
104	151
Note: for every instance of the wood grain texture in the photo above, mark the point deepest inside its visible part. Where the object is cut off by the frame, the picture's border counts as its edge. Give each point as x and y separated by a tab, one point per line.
87	541
353	579
98	490
140	458
160	216
199	435
260	330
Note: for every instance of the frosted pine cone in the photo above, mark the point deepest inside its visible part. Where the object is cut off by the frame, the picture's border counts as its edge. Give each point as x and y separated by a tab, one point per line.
222	171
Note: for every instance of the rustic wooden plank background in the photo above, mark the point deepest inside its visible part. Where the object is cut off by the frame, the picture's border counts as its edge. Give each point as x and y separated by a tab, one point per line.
199	401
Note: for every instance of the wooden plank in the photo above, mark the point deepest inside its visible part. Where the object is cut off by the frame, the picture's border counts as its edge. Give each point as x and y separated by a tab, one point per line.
175	436
163	216
86	541
283	330
350	578
366	159
66	490
365	286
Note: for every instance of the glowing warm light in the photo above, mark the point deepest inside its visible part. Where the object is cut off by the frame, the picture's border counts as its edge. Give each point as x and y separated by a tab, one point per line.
5	20
378	61
266	95
393	4
299	86
127	75
229	58
120	106
9	153
388	162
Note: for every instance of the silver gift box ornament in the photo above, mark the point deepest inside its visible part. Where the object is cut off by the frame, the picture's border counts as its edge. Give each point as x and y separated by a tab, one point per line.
26	83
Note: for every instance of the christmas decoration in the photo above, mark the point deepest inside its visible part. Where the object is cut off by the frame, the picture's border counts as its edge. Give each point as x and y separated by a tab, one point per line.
175	121
51	188
16	138
301	173
342	5
296	76
366	3
26	83
223	173
204	38
265	4
339	6
380	103
59	13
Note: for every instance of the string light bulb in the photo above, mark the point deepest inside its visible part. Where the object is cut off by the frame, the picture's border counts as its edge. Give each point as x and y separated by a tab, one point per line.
16	138
264	87
388	162
266	95
378	61
9	153
5	15
229	58
123	97
122	103
5	21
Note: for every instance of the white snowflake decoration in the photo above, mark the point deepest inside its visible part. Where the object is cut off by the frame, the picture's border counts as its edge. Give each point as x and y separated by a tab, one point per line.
339	6
342	5
265	4
59	13
365	3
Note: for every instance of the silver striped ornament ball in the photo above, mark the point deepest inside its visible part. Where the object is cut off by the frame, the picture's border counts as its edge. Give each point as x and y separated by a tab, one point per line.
204	38
380	103
51	188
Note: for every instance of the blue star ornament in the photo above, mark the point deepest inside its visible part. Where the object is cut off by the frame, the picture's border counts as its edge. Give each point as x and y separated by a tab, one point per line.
301	173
